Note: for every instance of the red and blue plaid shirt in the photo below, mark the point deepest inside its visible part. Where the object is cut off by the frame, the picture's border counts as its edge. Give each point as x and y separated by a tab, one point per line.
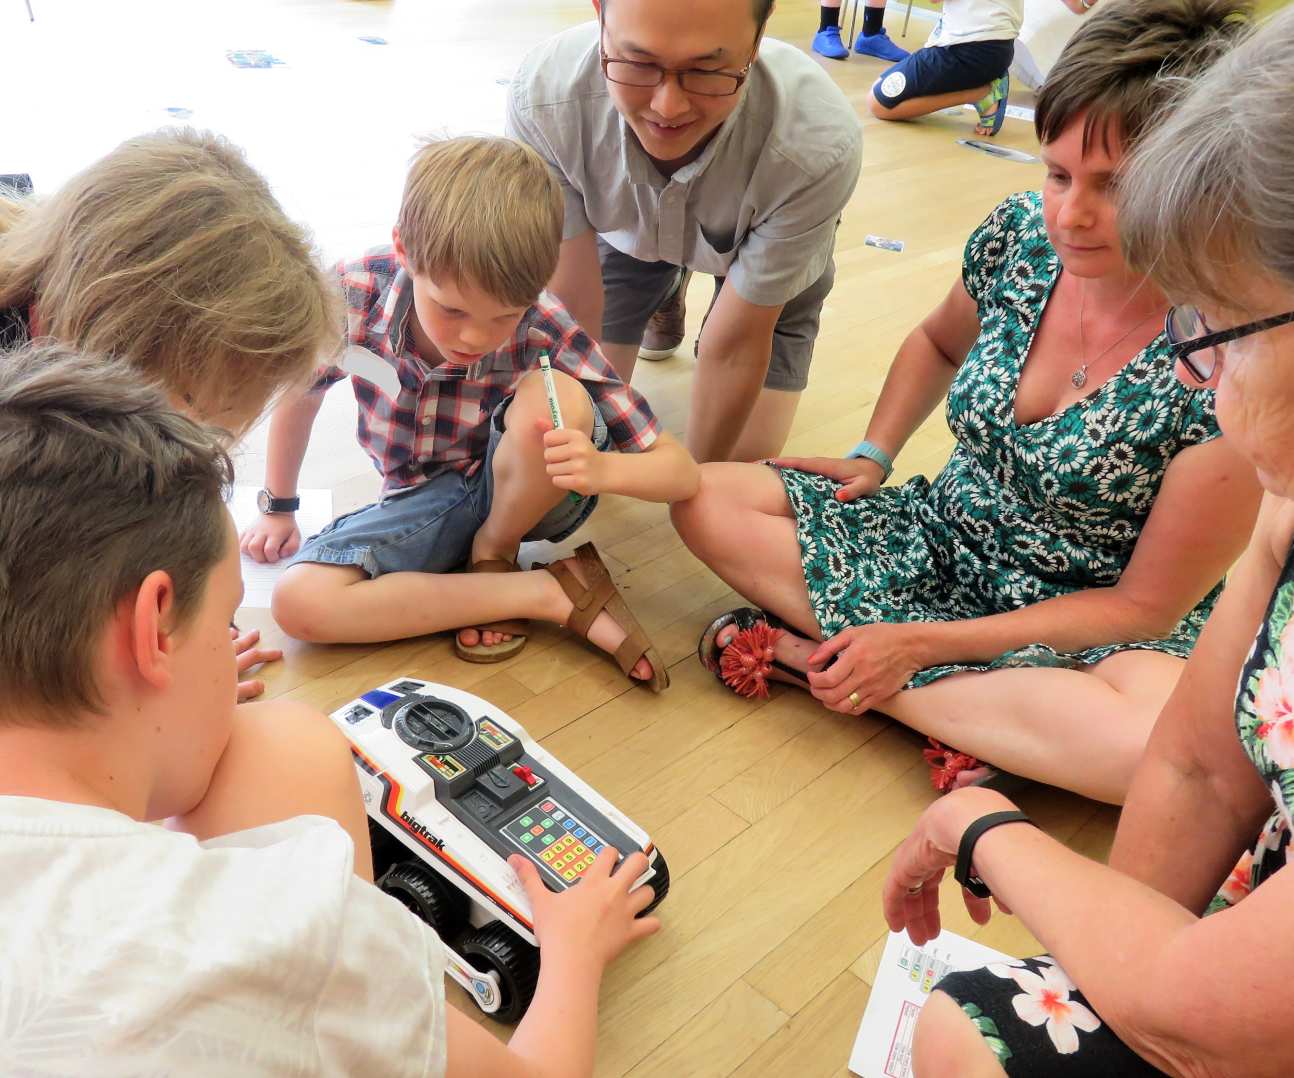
440	418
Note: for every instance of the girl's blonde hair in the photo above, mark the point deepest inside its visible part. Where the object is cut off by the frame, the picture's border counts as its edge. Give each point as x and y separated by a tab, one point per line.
172	253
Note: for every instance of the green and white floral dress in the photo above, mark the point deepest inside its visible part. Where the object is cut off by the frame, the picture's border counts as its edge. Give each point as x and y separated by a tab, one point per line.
1021	512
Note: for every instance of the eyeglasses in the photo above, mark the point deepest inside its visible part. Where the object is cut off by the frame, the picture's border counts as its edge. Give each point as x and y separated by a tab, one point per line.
690	80
1191	342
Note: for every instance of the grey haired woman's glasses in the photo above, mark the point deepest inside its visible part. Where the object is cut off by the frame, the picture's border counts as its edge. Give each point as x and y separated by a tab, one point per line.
1191	343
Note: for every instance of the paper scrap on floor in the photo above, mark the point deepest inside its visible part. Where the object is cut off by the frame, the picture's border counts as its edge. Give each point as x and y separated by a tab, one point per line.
907	974
259	579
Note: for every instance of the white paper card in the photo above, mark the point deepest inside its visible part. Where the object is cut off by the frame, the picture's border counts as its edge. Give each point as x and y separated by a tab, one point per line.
259	579
907	974
364	364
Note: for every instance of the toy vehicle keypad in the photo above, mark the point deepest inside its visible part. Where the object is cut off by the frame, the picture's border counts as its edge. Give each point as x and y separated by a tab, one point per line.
556	839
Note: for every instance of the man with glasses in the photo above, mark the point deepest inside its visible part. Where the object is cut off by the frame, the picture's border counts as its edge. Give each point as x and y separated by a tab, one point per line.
686	141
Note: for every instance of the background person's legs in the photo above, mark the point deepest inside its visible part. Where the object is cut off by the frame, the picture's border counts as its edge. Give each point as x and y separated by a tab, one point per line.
872	40
634	291
826	42
939	77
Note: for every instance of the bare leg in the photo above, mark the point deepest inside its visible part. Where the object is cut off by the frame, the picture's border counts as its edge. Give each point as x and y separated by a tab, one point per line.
329	604
523	493
947	1042
247	787
768	426
923	106
1083	730
741	525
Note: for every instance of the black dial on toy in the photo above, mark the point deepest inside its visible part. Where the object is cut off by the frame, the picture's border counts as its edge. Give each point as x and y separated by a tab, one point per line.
431	725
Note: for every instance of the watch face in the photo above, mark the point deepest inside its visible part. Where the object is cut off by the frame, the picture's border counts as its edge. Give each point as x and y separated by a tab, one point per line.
263	501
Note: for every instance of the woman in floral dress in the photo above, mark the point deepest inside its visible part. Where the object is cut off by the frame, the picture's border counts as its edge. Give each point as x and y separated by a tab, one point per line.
1034	604
1170	959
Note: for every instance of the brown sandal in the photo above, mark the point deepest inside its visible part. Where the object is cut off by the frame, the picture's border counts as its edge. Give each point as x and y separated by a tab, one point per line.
589	600
515	627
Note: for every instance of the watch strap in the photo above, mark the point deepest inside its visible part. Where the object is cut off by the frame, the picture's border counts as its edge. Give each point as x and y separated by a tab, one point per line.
966	849
281	505
867	451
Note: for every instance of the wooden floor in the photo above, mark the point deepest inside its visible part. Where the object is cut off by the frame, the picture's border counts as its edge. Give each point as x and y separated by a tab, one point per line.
777	818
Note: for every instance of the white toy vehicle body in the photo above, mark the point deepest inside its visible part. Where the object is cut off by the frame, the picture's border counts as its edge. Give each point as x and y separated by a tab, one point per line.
453	786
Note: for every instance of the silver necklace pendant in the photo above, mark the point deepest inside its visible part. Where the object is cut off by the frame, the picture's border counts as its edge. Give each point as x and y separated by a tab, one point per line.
1079	378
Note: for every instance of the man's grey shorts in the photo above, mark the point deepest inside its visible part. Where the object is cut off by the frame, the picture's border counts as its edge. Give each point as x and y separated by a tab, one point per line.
429	528
634	289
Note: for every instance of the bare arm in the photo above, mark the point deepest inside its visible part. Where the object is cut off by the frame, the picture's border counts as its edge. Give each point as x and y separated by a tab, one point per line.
923	369
1194	768
275	535
577	281
1193	996
580	931
733	352
917	381
666	472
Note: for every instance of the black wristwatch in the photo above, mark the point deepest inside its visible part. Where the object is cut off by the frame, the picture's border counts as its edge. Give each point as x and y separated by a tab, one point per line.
966	849
267	503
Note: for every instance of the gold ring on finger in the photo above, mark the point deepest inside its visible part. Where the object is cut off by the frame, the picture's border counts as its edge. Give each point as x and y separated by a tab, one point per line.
855	701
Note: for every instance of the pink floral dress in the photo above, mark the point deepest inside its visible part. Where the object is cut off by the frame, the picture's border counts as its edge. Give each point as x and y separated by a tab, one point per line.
1030	1013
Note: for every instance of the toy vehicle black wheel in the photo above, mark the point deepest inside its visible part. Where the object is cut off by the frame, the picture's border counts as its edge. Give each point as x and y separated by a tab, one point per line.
658	883
496	947
426	895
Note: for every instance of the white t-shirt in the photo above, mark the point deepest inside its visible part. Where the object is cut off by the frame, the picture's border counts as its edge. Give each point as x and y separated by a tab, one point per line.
127	949
978	20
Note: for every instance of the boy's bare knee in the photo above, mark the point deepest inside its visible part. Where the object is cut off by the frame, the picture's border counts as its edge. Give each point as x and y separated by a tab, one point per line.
572	399
304	602
881	112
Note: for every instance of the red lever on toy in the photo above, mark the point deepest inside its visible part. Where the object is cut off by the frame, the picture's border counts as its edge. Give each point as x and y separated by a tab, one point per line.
525	774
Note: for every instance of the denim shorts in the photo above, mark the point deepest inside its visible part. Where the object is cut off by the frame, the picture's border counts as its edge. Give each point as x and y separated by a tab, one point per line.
634	289
429	528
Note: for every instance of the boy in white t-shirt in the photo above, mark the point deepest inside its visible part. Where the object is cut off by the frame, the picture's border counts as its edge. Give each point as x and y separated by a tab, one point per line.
243	937
965	62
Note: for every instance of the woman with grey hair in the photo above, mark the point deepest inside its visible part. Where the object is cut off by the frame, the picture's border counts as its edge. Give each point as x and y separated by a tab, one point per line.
1176	957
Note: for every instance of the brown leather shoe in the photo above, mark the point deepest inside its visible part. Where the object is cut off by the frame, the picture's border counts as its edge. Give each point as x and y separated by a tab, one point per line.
665	330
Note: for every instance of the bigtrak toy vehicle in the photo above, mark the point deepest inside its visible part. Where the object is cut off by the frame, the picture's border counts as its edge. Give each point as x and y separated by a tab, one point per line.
453	786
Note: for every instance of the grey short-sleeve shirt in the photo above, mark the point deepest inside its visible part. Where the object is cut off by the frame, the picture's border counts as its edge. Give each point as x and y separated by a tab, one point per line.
759	206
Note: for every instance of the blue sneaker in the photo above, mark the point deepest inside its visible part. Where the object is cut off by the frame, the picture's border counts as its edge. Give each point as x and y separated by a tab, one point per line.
826	42
880	46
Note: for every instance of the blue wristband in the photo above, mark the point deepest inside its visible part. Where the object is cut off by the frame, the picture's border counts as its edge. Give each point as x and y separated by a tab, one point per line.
866	451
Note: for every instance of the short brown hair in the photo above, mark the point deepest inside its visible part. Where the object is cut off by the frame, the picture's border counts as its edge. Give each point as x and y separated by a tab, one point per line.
1129	59
486	211
1211	190
172	252
101	483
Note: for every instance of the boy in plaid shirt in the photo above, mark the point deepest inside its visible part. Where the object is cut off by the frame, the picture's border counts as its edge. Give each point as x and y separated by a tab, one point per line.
445	329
